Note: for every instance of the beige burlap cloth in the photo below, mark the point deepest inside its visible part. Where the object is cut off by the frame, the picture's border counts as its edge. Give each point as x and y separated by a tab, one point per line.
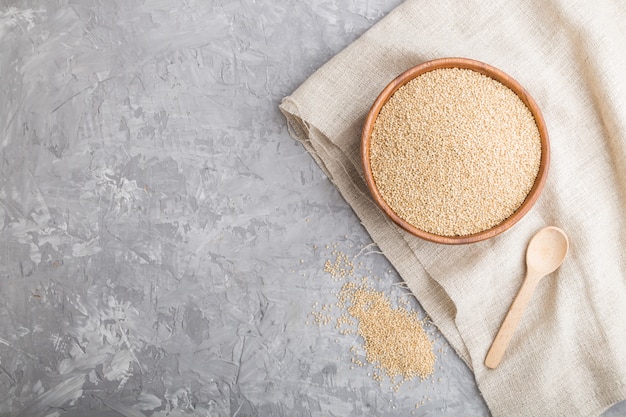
568	356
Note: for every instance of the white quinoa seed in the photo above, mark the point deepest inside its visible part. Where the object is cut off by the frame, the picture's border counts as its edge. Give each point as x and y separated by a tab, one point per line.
454	152
395	340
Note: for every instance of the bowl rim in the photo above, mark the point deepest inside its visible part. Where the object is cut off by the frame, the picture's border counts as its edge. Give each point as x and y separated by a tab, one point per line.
494	73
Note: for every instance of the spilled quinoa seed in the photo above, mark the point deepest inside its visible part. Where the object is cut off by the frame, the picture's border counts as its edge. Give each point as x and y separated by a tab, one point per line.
341	267
394	338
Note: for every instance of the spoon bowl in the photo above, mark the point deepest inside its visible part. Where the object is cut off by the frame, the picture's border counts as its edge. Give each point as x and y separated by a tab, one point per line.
546	252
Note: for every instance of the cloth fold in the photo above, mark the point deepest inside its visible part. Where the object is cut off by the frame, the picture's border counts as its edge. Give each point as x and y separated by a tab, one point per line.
568	356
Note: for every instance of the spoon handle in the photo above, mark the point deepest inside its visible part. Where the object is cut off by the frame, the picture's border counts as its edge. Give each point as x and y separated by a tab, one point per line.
508	326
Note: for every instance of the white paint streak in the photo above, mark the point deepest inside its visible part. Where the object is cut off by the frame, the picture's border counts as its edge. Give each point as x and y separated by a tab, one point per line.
147	401
61	394
13	17
119	367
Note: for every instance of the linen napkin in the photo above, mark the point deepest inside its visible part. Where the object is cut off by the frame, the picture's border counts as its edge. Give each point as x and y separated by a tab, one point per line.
568	355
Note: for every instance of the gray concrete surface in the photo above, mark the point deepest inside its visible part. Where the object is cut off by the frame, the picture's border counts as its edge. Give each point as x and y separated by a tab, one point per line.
162	238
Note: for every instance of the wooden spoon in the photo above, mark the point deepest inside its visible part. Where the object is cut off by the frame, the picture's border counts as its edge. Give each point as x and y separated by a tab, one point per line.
546	252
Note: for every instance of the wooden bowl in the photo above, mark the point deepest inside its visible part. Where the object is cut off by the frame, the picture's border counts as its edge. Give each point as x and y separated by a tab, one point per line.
495	74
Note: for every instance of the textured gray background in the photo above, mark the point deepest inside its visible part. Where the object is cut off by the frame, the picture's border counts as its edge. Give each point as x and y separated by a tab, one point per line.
162	237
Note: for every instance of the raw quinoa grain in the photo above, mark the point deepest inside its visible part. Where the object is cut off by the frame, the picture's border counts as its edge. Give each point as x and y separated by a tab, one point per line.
394	339
454	152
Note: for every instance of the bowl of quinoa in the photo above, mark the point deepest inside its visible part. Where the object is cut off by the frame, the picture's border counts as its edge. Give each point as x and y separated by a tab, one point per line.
455	151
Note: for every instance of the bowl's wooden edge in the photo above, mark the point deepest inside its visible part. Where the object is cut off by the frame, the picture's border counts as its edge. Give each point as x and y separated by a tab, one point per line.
489	71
